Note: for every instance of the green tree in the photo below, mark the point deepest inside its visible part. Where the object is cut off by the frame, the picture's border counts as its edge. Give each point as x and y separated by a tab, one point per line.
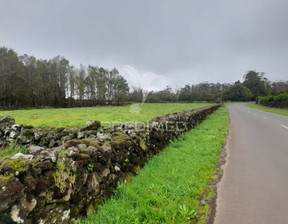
239	92
136	95
101	79
110	84
13	86
28	82
256	83
121	89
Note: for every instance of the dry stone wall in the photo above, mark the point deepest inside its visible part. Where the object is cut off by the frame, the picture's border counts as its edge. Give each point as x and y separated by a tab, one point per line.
59	184
276	104
27	134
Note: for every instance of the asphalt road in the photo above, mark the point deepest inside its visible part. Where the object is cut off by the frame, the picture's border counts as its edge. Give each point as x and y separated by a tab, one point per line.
254	187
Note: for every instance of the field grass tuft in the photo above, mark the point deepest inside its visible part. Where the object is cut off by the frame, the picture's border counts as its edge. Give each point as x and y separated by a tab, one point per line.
268	109
169	188
75	117
12	150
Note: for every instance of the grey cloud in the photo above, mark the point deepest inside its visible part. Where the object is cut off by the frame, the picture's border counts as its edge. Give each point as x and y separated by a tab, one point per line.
186	41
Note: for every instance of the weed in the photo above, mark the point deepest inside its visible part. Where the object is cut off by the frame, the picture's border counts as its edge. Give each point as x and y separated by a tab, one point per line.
185	212
63	174
90	167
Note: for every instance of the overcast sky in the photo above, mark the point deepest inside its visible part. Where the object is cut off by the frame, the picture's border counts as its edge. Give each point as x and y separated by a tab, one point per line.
180	41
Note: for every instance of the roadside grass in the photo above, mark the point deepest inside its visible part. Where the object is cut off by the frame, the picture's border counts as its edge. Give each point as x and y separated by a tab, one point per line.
75	117
12	150
169	188
268	109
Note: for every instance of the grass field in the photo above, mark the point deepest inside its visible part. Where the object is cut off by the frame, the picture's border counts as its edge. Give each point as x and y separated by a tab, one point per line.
268	109
169	188
72	117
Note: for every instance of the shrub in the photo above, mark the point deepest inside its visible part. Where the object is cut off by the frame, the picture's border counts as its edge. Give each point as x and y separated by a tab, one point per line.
279	97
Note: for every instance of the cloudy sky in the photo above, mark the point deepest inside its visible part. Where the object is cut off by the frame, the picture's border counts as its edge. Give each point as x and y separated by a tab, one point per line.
180	42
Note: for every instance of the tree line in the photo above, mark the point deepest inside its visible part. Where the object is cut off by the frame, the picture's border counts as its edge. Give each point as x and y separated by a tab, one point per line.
254	84
29	82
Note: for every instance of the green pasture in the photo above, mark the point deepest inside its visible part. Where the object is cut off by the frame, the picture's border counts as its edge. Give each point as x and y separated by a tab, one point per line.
73	117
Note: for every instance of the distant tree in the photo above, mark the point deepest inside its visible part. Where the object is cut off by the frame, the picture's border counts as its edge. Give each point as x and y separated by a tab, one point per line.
239	92
256	83
91	83
110	84
121	89
81	85
278	87
153	97
71	84
185	93
32	79
28	82
203	92
101	79
58	71
206	96
13	85
136	95
167	94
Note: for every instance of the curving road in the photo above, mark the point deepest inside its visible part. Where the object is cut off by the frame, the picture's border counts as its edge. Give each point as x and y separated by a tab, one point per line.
254	187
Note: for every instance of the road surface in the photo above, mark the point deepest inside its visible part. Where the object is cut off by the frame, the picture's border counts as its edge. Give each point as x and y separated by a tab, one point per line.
254	187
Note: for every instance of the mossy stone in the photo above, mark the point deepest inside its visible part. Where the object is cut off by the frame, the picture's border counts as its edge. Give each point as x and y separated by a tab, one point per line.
5	179
20	165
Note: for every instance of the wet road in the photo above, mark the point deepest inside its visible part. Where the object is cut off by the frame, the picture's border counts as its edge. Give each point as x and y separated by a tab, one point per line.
254	187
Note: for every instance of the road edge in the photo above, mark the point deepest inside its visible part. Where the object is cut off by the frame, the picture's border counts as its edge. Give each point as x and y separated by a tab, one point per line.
207	199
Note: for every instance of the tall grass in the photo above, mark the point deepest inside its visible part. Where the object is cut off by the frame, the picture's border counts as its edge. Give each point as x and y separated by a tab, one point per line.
12	150
169	188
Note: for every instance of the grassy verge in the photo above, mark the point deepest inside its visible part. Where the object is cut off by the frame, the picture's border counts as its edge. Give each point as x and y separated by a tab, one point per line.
169	188
268	109
72	117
